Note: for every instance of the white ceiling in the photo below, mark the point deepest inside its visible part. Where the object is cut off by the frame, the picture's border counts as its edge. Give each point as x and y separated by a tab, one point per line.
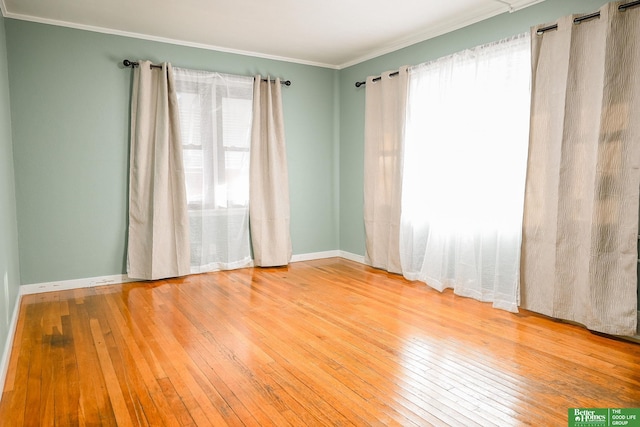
329	33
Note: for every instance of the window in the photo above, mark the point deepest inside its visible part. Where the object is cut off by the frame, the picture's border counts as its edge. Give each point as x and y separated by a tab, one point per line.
215	119
465	160
215	125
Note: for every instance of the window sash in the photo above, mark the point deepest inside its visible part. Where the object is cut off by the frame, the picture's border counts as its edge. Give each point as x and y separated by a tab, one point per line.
217	121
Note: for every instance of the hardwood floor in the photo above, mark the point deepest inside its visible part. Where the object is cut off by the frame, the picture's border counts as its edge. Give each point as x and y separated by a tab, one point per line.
327	342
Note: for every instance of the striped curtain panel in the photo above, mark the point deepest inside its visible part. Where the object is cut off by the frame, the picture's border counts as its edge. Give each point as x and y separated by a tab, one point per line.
579	254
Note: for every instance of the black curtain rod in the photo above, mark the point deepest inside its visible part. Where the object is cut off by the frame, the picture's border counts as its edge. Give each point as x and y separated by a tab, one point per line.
133	64
540	31
594	15
375	79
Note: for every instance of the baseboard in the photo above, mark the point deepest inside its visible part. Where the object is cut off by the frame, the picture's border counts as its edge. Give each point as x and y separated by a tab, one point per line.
65	285
352	257
315	255
8	345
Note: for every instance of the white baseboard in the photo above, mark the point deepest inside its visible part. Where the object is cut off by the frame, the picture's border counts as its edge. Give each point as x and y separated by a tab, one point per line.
65	285
352	257
328	254
315	255
8	345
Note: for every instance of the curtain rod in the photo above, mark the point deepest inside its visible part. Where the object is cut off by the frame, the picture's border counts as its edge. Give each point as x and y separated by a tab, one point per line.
579	19
540	31
375	79
134	64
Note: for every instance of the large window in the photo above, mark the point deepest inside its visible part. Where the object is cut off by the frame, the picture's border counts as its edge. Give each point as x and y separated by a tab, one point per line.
466	140
215	121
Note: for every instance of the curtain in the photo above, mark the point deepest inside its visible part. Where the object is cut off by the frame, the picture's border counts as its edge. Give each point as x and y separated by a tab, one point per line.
215	118
385	108
269	210
579	255
158	238
466	140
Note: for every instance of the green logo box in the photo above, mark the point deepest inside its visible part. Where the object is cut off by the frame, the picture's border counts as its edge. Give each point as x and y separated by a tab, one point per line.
604	417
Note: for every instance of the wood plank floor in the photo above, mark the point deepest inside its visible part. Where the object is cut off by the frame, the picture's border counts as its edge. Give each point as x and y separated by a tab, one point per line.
327	342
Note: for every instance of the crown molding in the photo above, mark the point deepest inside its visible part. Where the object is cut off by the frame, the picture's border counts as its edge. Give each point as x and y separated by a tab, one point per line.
447	27
521	4
148	37
501	6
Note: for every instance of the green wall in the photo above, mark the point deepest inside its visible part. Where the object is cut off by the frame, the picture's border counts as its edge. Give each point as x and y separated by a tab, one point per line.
70	109
64	141
9	266
352	98
70	115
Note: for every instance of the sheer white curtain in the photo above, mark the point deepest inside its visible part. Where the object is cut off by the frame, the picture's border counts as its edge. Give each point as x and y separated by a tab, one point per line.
385	108
580	223
158	238
466	139
215	117
269	177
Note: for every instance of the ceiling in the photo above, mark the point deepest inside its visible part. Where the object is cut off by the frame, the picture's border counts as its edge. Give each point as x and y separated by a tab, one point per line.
328	33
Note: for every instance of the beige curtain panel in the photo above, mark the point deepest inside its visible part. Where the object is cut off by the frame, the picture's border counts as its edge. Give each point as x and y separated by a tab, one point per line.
385	107
269	210
158	244
580	231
